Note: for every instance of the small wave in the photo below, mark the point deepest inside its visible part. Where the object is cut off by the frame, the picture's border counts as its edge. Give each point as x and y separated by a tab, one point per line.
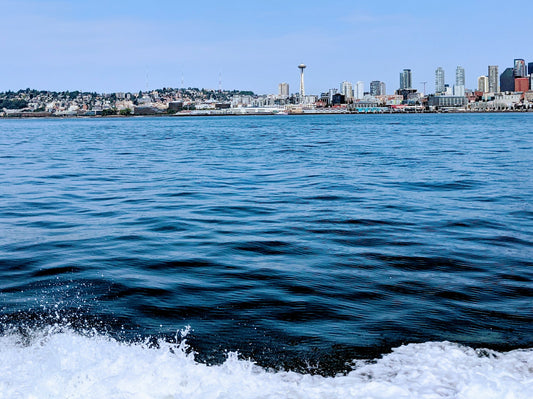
61	363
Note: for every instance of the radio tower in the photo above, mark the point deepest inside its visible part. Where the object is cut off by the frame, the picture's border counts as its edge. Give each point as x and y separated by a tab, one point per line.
146	79
302	87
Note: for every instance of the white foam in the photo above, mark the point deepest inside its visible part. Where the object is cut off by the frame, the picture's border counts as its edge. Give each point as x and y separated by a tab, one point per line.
64	364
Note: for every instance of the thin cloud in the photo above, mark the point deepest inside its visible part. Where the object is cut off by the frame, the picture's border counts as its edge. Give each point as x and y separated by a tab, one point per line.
359	17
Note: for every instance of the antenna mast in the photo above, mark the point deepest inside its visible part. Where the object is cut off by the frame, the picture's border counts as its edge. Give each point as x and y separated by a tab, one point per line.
146	79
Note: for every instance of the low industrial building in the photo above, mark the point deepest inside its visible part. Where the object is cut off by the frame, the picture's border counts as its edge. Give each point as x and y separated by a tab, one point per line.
437	102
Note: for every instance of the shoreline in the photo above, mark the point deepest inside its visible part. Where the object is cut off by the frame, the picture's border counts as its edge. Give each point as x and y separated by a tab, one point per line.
207	113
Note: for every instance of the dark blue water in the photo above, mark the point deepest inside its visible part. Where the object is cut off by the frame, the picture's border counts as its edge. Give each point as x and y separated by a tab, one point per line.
301	242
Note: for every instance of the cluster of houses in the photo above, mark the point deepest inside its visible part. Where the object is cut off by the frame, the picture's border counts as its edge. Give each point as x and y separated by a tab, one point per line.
192	101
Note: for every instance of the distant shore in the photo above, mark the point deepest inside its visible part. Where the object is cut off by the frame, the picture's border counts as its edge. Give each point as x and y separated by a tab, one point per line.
42	115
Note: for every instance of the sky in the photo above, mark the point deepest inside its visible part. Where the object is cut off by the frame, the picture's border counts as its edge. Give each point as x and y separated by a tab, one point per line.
110	46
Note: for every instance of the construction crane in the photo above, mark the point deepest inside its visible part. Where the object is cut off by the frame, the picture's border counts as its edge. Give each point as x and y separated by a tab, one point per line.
424	83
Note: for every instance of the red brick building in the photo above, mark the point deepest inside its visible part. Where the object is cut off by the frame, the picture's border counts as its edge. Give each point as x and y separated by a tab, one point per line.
521	84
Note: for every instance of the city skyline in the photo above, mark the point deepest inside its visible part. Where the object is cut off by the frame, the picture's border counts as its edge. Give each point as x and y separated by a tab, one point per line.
131	46
515	86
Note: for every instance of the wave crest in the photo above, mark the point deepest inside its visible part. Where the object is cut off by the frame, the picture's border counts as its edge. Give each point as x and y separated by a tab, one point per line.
61	363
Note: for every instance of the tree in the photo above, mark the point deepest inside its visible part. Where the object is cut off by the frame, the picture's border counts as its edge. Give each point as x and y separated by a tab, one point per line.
125	112
109	111
13	104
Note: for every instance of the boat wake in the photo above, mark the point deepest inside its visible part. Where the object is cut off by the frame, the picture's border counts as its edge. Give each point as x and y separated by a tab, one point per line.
61	363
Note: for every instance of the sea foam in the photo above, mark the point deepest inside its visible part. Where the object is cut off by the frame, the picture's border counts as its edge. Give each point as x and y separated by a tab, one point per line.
64	364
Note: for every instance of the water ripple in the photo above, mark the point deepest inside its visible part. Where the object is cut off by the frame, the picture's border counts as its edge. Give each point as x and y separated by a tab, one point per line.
320	237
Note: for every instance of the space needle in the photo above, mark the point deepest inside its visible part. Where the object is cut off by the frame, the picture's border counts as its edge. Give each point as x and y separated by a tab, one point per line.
302	88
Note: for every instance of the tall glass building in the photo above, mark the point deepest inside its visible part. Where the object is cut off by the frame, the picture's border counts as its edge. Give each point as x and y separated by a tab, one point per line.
406	79
494	87
507	80
460	76
519	68
439	80
459	88
359	90
346	90
377	88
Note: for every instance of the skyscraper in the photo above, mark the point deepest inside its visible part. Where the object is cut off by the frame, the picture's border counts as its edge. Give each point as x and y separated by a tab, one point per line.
375	88
494	86
507	80
283	90
460	76
483	84
439	80
347	90
459	88
406	79
519	68
530	68
359	90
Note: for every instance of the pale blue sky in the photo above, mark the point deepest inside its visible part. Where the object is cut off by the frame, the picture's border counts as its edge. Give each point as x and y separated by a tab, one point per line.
108	46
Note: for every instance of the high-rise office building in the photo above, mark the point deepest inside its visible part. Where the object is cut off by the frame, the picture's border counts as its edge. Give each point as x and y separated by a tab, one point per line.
494	86
459	88
439	80
507	80
460	76
377	88
359	90
382	88
374	88
283	90
483	84
406	79
530	68
519	68
346	90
